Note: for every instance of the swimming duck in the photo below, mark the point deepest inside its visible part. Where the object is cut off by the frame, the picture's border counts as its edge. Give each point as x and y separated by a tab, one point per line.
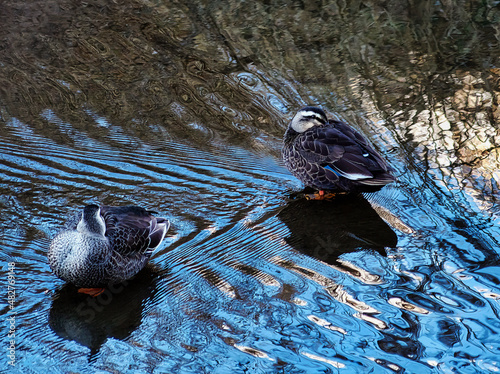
105	245
332	157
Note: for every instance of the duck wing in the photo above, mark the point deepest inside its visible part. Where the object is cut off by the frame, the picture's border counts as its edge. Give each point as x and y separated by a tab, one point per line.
342	150
133	230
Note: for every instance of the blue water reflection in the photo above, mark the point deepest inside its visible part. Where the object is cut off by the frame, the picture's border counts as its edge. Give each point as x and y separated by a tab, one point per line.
181	109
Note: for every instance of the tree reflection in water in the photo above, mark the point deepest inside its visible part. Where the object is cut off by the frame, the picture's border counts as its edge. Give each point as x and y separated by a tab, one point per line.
183	107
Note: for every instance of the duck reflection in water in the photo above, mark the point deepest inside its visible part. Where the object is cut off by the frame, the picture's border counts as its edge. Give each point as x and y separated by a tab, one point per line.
328	228
115	313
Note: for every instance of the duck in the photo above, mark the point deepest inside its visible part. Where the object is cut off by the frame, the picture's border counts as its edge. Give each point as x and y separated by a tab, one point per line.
104	245
331	157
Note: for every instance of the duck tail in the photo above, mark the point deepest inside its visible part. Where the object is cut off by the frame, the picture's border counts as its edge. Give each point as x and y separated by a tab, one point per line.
158	230
379	180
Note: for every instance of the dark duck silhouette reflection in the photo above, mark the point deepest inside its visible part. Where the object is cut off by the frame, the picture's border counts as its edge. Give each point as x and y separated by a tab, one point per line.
326	229
331	157
115	313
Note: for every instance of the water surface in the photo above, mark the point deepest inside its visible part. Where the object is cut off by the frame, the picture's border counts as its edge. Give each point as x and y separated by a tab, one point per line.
181	109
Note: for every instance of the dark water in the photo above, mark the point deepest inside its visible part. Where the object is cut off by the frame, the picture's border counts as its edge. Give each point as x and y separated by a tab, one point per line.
181	108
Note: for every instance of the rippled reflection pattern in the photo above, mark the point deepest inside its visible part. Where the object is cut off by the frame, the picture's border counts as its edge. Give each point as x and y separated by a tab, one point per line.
181	108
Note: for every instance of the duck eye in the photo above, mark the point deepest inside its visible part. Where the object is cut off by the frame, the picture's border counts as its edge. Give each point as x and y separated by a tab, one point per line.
313	117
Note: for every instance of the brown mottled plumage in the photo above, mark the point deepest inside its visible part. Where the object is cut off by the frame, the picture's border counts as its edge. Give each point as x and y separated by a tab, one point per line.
330	155
105	245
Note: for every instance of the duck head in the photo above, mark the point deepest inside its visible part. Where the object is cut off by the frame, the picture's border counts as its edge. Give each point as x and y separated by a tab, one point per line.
92	221
308	117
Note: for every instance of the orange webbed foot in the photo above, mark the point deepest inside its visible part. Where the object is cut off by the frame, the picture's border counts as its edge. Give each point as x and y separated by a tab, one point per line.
94	292
321	195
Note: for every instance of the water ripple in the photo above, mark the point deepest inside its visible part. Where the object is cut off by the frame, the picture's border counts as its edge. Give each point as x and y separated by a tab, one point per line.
181	108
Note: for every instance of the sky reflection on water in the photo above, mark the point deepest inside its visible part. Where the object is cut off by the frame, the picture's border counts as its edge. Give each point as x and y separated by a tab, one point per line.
181	109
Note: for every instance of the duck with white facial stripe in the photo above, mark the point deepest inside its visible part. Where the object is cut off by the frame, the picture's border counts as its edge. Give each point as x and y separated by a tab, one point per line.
331	157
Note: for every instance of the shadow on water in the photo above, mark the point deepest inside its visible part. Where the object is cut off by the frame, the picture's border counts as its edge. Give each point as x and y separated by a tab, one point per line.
182	108
116	313
327	229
